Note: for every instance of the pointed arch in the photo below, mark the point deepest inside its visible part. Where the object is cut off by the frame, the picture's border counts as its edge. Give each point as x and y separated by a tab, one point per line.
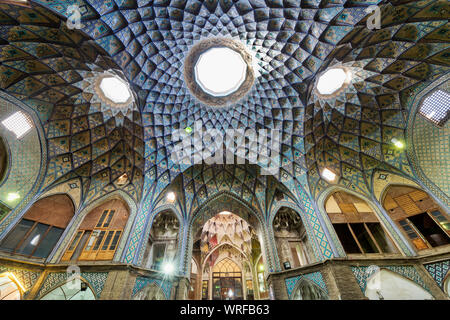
388	285
128	204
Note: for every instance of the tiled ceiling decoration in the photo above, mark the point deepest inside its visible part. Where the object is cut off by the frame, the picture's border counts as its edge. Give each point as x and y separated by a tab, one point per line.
352	133
52	69
150	40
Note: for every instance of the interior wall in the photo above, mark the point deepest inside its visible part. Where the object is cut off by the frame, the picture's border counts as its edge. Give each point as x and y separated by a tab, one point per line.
24	159
431	145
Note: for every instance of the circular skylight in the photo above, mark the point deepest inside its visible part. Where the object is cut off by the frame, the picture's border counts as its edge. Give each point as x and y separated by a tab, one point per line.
220	71
115	89
331	81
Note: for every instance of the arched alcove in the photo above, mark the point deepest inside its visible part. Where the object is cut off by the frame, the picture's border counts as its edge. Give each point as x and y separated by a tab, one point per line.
420	218
308	290
357	225
150	292
40	228
293	247
162	243
9	289
70	291
387	285
99	233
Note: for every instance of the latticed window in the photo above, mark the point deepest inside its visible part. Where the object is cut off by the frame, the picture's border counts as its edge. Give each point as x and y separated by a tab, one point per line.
436	107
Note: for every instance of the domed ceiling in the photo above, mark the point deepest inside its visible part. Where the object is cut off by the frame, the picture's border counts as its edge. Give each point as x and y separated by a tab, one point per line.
291	42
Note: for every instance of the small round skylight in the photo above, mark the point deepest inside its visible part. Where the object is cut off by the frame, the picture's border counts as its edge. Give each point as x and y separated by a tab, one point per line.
115	89
331	81
220	71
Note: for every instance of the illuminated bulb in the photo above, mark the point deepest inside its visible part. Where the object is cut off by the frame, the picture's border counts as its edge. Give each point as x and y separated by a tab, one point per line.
397	143
171	197
261	267
225	213
13	196
230	293
168	268
188	130
328	175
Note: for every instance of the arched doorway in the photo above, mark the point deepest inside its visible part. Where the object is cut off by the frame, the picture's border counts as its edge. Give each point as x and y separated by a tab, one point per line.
422	220
357	225
40	228
162	244
294	249
227	247
99	233
387	285
67	291
227	280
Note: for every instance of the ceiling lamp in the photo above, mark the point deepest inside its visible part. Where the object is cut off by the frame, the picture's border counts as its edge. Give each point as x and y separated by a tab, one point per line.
332	81
115	89
328	175
19	123
397	143
12	196
220	71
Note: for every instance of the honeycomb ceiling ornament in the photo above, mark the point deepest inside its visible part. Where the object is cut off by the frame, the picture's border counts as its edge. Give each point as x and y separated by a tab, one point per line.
352	133
228	228
92	92
150	40
49	67
290	42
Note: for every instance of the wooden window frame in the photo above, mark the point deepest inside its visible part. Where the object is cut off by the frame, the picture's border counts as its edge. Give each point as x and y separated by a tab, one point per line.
101	229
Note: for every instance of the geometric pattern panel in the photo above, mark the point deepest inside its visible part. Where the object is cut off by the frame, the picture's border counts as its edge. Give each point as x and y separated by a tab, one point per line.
141	282
438	270
315	277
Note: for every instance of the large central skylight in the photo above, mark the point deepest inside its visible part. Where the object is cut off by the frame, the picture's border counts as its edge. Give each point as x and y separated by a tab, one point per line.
115	89
220	71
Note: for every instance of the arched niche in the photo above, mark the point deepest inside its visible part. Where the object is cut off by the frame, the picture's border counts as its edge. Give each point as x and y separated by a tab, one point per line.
40	228
308	290
425	224
3	160
162	242
387	285
293	247
9	288
150	292
69	291
99	234
357	225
